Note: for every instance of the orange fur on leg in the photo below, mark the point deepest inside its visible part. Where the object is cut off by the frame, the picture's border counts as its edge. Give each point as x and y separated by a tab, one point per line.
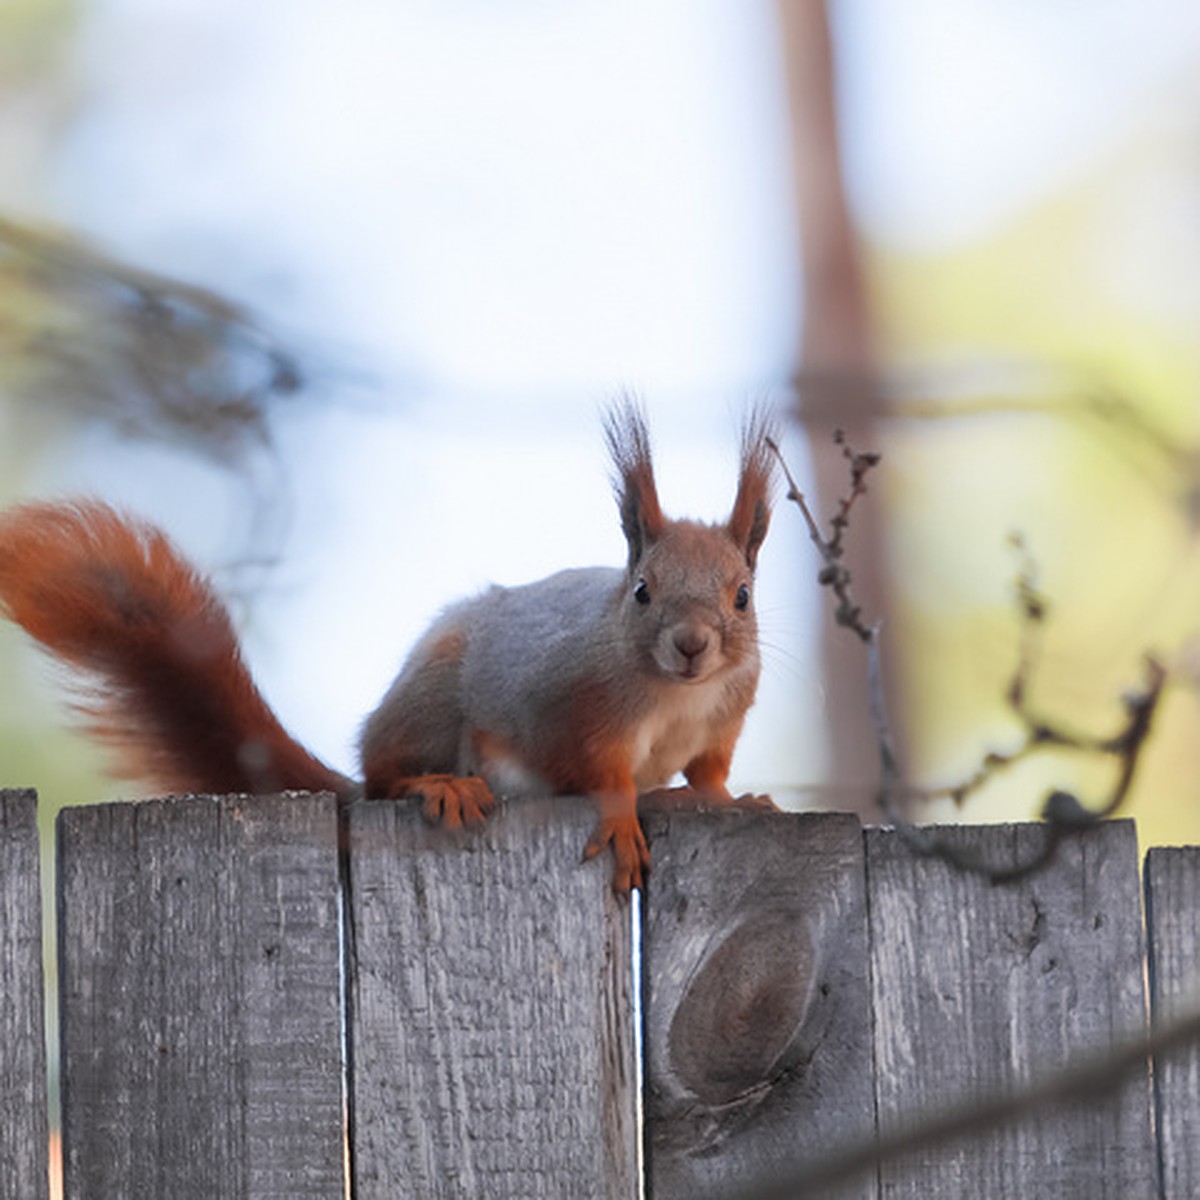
618	827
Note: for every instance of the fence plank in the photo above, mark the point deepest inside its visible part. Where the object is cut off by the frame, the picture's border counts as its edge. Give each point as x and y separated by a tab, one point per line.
756	989
977	988
24	1133
200	998
491	1015
1172	879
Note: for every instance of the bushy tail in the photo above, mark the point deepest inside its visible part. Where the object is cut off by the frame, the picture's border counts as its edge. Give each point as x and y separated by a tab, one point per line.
165	684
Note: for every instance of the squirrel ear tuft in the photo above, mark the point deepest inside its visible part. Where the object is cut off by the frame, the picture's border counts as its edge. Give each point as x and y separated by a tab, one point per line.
752	506
628	440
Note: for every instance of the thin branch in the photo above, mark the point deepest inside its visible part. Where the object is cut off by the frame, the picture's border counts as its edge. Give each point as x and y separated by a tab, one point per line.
1083	1082
1062	812
835	575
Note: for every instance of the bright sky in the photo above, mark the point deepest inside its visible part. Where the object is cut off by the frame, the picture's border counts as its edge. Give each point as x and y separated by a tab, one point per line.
959	112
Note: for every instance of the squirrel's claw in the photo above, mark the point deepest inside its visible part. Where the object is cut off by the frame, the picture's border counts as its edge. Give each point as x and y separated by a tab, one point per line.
450	800
631	855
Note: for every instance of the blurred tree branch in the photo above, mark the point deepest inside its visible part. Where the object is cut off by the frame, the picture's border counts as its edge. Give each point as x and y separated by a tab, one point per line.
983	389
156	358
1089	1079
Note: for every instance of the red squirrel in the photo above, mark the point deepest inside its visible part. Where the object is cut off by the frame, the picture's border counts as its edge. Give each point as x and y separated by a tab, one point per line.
598	681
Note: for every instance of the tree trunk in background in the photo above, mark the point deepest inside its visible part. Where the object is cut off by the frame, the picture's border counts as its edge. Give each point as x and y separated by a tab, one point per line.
837	387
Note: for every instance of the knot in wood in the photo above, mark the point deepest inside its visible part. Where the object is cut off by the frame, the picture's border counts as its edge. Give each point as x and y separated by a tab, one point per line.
743	1008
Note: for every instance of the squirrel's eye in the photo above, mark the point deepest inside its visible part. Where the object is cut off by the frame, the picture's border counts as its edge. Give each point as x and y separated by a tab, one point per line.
641	593
742	600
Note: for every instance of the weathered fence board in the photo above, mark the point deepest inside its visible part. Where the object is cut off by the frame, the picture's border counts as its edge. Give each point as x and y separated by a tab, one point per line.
490	1008
756	998
23	1127
1172	880
199	994
977	988
802	981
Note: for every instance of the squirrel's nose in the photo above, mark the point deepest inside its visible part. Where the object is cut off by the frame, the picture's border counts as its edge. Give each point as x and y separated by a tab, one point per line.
691	643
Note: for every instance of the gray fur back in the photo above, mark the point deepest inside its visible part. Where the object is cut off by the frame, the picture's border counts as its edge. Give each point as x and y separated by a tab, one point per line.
528	647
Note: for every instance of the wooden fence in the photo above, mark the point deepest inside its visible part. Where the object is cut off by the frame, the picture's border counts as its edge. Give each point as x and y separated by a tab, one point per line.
252	1005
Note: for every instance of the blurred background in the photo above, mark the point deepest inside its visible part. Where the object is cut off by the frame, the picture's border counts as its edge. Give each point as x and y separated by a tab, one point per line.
336	295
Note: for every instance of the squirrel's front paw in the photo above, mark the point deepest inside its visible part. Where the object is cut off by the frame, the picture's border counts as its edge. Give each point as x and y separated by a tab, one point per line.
450	800
631	855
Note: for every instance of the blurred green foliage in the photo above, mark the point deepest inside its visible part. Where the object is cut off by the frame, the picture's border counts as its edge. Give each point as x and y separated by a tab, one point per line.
1058	398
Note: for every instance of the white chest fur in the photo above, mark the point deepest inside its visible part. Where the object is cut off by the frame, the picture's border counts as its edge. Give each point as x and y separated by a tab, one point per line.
675	731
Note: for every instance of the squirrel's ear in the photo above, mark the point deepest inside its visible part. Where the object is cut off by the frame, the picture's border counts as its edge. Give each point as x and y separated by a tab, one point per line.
642	517
752	506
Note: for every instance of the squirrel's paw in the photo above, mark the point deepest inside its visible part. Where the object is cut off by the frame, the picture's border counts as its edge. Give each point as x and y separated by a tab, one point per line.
631	855
452	800
755	803
690	799
669	799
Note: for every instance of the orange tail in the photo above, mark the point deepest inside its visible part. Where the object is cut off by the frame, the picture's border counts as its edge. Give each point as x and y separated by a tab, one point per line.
114	599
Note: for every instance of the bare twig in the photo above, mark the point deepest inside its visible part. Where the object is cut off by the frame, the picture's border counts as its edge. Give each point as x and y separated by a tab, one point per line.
834	574
1062	812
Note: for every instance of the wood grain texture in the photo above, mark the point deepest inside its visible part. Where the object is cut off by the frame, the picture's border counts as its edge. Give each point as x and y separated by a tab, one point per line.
24	1133
491	1008
756	989
1172	879
199	977
978	988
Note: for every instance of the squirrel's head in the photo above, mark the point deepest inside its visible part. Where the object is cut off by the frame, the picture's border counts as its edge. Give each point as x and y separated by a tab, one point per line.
689	596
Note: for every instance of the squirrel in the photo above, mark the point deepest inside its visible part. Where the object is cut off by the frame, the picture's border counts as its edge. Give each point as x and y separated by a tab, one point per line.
599	681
